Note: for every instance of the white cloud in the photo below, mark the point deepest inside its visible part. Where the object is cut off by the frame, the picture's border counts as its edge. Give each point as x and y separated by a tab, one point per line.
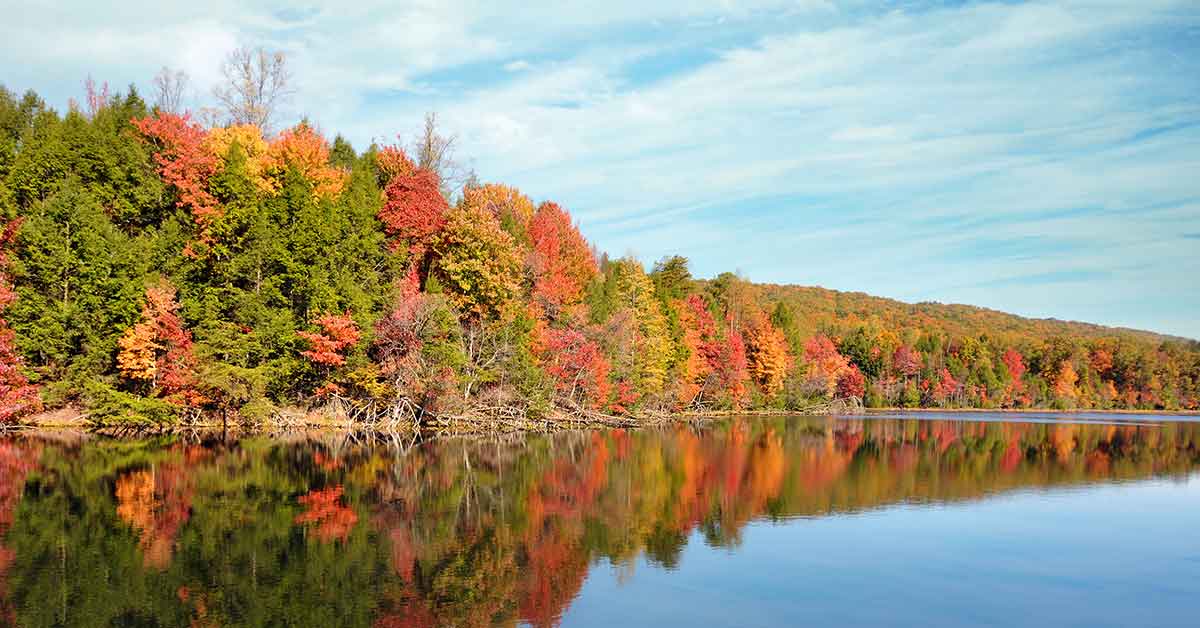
824	142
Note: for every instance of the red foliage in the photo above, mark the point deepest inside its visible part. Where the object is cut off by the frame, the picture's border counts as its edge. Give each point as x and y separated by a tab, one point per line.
562	262
176	364
415	210
398	335
392	162
624	397
906	361
724	363
17	396
1016	370
185	164
1101	361
825	364
946	387
1015	364
851	383
576	363
159	349
728	359
324	507
339	332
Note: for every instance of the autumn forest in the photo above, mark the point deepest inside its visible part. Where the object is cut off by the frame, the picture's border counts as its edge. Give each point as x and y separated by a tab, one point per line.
158	269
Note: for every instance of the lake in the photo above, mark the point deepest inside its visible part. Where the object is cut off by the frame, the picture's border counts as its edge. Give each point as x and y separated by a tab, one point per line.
931	520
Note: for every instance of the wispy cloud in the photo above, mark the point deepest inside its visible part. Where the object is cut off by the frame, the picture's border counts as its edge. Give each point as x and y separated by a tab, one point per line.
958	153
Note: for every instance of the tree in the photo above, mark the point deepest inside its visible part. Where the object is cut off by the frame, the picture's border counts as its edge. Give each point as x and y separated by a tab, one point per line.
186	164
672	280
415	211
825	364
1015	366
906	361
767	354
635	293
851	383
513	209
476	262
946	388
577	365
169	88
561	261
1064	383
256	83
435	152
327	347
698	330
303	149
17	396
157	349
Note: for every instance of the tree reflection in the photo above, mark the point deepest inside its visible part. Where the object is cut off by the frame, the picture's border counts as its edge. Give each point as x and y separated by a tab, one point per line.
476	532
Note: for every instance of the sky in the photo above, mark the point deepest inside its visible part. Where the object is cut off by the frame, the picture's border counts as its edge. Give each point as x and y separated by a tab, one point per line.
1041	158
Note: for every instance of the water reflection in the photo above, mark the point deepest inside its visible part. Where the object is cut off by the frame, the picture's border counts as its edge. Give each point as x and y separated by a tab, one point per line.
329	531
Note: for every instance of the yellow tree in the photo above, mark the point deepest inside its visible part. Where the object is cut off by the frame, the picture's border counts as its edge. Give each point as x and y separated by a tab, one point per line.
513	209
635	291
477	262
1064	383
767	354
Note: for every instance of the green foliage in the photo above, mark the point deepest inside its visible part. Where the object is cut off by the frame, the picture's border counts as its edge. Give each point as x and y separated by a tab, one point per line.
289	231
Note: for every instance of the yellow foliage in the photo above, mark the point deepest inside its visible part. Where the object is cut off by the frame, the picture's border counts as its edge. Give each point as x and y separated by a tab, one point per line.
767	354
138	356
249	138
1064	384
303	148
635	291
506	203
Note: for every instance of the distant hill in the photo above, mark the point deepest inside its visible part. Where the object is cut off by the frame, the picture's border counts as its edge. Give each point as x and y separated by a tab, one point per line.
821	308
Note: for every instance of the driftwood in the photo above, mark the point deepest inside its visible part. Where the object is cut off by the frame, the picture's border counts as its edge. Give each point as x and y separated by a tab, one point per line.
359	418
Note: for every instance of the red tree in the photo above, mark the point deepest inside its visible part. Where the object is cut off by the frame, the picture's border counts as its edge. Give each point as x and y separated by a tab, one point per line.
159	349
17	396
906	361
338	333
576	363
946	388
1016	370
414	211
185	163
561	261
851	383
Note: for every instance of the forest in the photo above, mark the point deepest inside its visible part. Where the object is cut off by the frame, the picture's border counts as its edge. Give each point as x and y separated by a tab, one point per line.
159	269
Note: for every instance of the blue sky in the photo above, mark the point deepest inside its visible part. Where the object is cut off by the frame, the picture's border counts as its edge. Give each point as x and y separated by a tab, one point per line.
1036	157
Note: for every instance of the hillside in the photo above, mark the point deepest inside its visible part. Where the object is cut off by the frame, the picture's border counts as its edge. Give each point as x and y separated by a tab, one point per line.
157	270
825	306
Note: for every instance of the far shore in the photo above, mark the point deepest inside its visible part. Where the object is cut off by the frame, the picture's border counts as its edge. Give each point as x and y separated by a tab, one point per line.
1034	411
74	418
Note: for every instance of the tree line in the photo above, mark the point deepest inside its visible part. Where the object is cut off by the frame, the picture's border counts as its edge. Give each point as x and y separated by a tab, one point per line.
156	268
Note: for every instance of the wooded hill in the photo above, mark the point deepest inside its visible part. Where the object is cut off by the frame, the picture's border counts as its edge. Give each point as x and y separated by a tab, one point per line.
156	269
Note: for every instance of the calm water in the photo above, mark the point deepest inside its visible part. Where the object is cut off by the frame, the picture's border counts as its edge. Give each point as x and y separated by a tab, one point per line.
898	521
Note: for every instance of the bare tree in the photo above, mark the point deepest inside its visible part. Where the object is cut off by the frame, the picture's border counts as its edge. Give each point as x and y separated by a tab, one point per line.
435	152
257	82
168	90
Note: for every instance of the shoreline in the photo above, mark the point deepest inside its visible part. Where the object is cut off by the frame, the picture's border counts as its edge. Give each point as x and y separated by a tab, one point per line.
73	419
1035	411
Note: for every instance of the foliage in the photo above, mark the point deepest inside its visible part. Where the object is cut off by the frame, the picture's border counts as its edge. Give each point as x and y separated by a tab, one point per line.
154	268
